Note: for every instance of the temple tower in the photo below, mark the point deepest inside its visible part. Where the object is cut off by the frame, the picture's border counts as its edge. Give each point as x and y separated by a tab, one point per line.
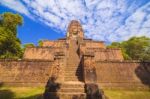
75	30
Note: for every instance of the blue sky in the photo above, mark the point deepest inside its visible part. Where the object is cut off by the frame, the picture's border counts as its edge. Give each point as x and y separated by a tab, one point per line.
106	20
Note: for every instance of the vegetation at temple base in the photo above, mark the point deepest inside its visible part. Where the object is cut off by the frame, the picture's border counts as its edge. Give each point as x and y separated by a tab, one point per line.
127	94
136	48
37	92
21	92
10	45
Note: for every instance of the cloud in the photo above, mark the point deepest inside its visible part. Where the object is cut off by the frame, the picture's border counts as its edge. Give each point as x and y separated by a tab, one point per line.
108	20
15	5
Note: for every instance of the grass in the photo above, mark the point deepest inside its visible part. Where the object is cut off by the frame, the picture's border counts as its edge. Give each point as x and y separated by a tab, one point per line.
127	94
21	93
36	93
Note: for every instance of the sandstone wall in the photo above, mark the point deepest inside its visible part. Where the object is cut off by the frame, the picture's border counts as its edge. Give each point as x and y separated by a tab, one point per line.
58	43
95	44
25	72
123	74
44	53
106	54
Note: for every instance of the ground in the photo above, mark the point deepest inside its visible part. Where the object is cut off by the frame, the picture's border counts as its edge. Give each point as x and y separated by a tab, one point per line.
36	93
127	94
21	93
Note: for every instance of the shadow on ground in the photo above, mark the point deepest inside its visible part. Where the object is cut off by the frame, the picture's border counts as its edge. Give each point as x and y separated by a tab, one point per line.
5	94
8	94
38	96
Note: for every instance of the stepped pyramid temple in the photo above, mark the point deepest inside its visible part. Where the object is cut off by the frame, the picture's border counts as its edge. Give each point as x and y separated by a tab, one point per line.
75	67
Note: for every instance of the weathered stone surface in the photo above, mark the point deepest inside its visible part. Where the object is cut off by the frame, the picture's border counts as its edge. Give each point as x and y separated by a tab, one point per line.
75	30
25	72
123	74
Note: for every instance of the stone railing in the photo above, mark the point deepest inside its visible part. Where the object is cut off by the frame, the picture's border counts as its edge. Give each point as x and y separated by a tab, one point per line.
58	68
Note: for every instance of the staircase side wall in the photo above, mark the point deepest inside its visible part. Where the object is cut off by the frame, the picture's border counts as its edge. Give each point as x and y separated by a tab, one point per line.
25	72
123	74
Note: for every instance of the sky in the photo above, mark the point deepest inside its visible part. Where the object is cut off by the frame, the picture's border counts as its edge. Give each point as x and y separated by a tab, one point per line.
103	20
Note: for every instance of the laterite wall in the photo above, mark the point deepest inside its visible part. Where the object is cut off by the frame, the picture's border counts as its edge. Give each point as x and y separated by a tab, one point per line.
126	74
43	53
25	72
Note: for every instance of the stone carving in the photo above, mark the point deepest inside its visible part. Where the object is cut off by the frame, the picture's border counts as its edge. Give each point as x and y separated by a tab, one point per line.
75	30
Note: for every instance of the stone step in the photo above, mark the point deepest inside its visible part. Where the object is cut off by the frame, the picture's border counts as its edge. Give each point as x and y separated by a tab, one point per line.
62	95
78	74
73	67
72	85
73	61
72	79
73	64
73	70
73	74
74	90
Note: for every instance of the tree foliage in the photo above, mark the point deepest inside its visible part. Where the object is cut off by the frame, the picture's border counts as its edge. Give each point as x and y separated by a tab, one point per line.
40	43
10	45
28	45
136	48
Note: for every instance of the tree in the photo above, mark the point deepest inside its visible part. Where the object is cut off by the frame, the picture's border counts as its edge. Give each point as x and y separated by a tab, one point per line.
28	45
11	21
10	45
120	45
136	48
40	43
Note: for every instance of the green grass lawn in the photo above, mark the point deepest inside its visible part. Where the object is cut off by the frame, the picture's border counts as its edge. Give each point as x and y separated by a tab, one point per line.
127	94
21	93
36	93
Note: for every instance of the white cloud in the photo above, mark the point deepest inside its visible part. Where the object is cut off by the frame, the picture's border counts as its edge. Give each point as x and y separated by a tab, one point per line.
15	5
111	20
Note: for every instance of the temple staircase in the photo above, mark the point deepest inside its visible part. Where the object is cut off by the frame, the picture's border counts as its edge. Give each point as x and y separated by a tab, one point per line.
73	70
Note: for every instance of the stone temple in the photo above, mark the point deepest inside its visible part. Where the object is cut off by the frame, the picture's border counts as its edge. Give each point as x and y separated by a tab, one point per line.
75	67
